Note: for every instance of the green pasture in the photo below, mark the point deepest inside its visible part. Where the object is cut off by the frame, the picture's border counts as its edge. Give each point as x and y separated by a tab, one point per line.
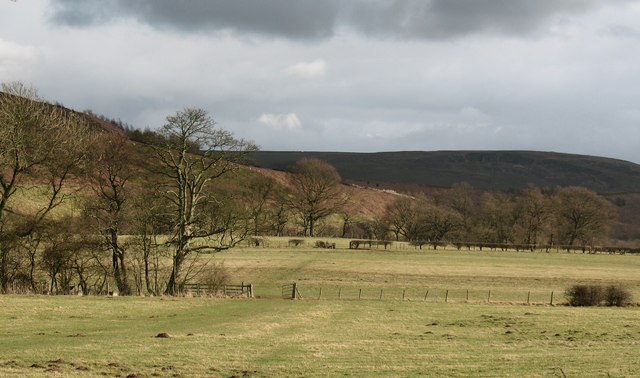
496	275
277	338
342	336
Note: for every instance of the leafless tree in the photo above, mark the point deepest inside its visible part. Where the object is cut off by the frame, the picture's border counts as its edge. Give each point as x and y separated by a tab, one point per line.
35	137
495	219
258	197
110	172
582	215
461	199
149	221
403	217
438	223
195	154
317	192
533	212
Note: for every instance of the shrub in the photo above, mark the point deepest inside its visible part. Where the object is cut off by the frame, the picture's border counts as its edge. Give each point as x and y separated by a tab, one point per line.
616	295
585	295
216	277
295	242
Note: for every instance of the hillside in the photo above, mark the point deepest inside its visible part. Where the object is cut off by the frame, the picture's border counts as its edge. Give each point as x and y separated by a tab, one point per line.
486	170
368	175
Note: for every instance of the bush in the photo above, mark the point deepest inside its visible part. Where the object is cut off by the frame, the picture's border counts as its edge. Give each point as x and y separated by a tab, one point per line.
325	244
585	295
594	295
216	277
616	295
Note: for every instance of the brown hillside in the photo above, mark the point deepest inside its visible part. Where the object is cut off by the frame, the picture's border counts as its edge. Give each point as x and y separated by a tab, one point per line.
364	202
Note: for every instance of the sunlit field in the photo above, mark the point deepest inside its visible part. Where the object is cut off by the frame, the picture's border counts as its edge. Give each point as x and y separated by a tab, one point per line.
348	330
510	276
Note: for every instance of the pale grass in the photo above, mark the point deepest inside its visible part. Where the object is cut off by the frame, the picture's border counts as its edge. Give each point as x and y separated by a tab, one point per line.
510	276
272	337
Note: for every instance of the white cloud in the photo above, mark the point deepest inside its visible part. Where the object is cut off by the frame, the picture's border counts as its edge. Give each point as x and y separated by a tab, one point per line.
16	60
309	70
281	121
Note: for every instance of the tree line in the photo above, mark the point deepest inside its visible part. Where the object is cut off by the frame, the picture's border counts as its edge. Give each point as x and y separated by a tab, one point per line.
566	216
85	208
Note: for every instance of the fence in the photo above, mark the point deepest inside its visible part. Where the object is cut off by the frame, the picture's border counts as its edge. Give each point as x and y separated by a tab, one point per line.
242	290
283	242
434	295
290	291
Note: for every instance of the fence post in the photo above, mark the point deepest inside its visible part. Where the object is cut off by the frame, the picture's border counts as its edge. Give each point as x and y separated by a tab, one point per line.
467	295
551	303
446	297
528	297
426	294
403	293
360	294
320	294
489	297
294	291
381	294
339	293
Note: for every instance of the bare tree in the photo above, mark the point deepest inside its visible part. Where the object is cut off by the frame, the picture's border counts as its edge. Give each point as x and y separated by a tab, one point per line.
403	217
280	212
461	200
194	155
258	196
67	255
533	211
317	192
582	215
439	223
495	218
34	137
110	172
148	222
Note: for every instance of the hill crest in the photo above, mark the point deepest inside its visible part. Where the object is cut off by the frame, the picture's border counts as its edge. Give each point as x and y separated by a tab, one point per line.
486	170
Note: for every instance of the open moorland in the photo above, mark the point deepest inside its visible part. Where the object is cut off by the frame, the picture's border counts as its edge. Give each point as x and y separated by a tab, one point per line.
348	330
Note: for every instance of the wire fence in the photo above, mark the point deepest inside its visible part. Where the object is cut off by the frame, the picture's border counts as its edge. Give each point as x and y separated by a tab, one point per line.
432	295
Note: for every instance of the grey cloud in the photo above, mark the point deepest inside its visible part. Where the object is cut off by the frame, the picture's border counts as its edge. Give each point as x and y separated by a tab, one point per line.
624	31
300	19
315	19
82	13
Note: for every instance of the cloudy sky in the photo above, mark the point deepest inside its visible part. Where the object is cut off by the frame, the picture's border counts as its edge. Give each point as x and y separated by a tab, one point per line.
357	75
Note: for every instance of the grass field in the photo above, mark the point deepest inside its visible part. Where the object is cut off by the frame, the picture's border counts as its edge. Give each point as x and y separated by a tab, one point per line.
510	276
272	337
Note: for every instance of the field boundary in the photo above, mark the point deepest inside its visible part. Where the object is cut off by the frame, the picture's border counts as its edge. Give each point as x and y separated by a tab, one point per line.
234	291
437	295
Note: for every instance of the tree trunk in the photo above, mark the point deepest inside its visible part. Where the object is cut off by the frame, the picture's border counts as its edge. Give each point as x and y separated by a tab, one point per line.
311	224
146	273
120	275
172	285
4	274
119	268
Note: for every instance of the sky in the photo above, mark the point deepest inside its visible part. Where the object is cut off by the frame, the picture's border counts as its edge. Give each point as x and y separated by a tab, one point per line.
335	75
